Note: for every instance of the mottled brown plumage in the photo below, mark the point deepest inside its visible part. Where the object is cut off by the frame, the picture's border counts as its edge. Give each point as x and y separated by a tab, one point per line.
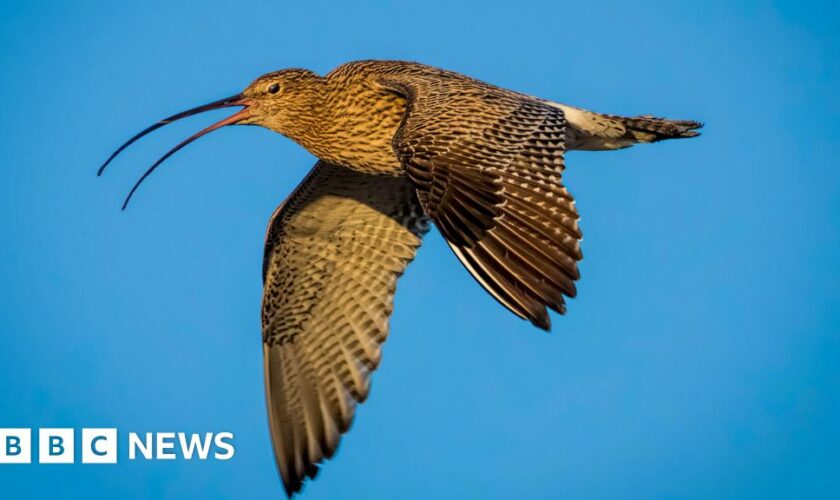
401	144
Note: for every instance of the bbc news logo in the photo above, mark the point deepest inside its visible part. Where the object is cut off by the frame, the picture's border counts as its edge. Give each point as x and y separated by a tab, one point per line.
99	446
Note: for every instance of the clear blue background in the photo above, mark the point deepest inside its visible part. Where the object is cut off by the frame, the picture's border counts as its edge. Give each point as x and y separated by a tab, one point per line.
700	360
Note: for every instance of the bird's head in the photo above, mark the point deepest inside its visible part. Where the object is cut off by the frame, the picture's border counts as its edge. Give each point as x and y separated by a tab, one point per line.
284	101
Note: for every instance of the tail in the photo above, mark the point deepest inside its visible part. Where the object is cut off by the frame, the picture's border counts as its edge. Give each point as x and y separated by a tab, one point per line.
595	131
648	128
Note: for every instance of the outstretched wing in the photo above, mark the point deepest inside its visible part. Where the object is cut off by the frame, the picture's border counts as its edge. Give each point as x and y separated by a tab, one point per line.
333	253
487	165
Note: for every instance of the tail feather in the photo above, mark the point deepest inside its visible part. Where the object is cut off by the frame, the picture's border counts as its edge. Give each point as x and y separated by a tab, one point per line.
596	131
648	128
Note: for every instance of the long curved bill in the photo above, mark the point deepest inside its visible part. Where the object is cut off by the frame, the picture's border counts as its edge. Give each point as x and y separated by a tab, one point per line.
236	100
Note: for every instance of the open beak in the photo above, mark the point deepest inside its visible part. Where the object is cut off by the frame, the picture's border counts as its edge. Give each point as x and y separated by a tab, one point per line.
236	100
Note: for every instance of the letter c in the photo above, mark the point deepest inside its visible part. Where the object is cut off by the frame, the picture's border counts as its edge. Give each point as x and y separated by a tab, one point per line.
93	446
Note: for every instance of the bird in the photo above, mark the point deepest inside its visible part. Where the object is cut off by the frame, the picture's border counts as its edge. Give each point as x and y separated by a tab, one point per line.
402	146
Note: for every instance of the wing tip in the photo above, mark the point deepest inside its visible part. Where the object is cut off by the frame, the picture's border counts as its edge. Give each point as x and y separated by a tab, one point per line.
292	489
294	484
542	320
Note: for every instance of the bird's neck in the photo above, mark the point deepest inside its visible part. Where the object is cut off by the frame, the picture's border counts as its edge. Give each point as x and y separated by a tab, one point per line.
352	123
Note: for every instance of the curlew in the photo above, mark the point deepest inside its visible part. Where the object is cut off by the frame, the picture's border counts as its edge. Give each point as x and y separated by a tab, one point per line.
400	144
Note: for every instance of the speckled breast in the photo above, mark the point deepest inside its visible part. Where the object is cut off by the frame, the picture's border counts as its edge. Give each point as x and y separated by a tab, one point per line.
365	119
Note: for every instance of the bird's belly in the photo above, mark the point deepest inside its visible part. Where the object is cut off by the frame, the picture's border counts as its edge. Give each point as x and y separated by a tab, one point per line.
368	155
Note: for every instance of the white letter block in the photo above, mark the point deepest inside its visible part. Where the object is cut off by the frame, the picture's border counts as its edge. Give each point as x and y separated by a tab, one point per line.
99	446
15	446
55	446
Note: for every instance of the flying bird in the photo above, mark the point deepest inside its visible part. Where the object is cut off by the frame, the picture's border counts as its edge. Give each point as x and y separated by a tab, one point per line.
400	145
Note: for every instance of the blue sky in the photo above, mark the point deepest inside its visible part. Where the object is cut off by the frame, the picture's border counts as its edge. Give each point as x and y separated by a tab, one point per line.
700	359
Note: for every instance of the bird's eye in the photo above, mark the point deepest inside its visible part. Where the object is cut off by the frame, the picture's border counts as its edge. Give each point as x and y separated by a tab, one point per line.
275	87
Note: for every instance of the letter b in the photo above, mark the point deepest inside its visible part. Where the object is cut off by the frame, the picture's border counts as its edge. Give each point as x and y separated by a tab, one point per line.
55	446
15	446
12	446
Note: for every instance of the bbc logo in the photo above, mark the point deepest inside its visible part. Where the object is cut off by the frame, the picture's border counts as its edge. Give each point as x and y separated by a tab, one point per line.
99	446
57	446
